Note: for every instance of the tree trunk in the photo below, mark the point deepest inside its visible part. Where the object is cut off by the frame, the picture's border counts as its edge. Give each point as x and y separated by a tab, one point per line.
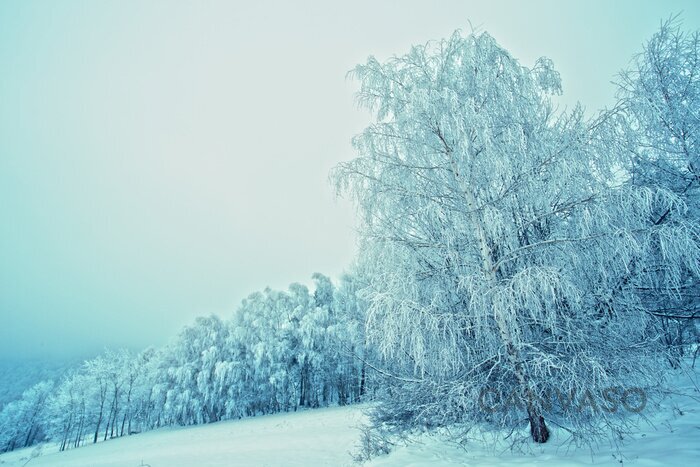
538	429
30	435
362	379
107	426
79	432
97	428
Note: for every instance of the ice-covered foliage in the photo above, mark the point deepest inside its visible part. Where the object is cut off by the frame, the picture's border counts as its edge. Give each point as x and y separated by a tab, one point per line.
501	244
657	125
659	101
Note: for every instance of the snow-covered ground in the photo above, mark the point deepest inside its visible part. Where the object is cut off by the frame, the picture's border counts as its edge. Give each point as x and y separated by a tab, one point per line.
322	437
326	437
669	437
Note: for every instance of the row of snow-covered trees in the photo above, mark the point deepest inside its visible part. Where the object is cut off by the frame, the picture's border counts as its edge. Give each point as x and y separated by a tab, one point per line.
523	250
281	351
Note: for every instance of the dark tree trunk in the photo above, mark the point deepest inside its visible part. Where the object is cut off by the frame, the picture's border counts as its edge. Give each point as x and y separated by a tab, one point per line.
99	423
78	434
538	429
362	379
30	435
107	427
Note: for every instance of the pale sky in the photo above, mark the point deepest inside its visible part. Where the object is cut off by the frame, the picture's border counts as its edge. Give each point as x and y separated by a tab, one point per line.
160	160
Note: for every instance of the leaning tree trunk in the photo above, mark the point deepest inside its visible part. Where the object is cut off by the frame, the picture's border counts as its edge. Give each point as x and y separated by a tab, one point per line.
99	422
538	428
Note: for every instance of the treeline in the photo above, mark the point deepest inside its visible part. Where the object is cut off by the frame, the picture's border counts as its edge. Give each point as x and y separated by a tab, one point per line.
281	351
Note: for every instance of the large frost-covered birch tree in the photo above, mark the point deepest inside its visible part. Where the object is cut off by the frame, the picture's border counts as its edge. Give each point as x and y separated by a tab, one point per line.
496	235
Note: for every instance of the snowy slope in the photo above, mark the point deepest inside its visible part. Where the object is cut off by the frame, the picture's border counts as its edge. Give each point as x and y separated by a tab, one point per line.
322	437
325	437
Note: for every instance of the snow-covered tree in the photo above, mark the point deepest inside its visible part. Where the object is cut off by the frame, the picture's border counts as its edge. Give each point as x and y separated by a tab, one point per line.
658	126
188	373
23	422
67	408
133	378
97	372
659	98
496	238
348	335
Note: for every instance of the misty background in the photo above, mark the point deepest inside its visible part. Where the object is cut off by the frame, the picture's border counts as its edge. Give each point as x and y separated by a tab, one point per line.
161	160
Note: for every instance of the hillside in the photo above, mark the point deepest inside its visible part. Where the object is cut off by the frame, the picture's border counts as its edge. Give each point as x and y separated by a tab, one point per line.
328	436
313	437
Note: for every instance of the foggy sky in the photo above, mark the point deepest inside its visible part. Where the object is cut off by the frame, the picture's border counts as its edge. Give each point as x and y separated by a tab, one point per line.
162	160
